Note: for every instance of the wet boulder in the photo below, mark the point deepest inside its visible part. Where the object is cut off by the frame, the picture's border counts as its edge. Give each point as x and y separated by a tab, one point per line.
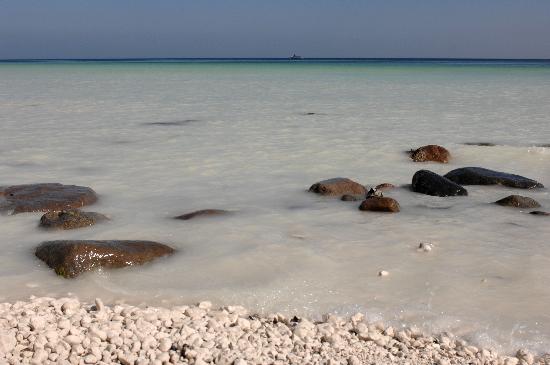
71	258
518	201
481	176
70	219
46	197
380	204
430	183
338	186
431	152
202	213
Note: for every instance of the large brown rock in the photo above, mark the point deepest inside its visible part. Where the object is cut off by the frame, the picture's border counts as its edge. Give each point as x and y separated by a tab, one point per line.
338	186
46	197
71	258
431	152
202	213
380	204
70	219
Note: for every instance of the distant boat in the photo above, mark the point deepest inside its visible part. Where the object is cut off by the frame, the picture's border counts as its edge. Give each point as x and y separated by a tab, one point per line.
295	57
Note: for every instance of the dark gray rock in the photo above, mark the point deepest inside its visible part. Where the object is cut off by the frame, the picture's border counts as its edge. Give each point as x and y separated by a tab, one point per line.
430	183
518	201
70	219
71	258
481	176
202	213
541	213
46	197
350	198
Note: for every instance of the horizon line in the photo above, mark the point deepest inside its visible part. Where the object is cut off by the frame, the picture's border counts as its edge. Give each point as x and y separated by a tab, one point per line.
272	58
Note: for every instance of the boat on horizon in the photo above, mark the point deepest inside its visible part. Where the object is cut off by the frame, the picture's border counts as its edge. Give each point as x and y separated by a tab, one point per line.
295	57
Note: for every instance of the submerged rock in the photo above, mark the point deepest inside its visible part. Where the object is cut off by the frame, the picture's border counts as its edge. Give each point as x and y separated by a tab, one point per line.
338	186
202	213
539	212
384	187
350	198
431	152
481	176
70	219
518	201
380	204
71	258
481	144
430	183
46	197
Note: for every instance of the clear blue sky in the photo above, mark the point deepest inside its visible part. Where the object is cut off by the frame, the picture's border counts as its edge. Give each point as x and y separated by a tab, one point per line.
277	28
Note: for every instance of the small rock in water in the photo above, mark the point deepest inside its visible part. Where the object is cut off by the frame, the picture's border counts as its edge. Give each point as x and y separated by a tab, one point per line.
70	219
481	144
338	186
374	193
202	213
383	273
384	186
425	247
349	198
539	212
518	201
380	204
431	153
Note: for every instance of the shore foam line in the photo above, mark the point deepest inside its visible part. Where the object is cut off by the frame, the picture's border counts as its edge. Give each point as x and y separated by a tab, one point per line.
65	331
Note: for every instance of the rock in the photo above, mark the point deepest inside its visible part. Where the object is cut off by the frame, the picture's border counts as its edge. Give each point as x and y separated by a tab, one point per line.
425	247
46	197
380	204
430	183
338	186
518	201
481	176
350	198
481	144
70	219
431	152
71	258
7	342
201	213
384	187
383	273
538	212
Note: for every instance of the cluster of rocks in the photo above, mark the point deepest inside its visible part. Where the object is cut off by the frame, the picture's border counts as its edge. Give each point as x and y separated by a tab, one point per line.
430	183
65	331
71	258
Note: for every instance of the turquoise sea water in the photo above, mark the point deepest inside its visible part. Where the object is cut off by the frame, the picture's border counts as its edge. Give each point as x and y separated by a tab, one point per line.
238	135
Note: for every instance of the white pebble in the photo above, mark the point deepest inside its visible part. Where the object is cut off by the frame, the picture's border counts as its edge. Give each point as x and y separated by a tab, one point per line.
383	273
425	247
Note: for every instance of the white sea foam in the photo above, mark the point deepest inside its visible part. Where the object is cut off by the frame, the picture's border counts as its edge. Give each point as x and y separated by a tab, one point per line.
251	148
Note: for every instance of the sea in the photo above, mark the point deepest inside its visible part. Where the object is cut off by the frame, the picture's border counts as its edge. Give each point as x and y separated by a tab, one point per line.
156	138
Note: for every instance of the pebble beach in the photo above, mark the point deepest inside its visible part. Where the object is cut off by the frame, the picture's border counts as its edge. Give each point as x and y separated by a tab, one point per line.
67	331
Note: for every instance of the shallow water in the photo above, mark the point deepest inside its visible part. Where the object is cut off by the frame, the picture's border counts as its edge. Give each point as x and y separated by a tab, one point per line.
157	140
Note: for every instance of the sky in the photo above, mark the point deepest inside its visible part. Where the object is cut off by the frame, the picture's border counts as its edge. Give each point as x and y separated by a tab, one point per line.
278	28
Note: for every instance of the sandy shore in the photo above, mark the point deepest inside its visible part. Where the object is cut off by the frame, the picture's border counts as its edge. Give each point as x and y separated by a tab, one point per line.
66	331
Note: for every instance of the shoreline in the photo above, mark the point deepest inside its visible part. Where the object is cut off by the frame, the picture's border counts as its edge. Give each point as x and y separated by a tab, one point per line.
45	330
